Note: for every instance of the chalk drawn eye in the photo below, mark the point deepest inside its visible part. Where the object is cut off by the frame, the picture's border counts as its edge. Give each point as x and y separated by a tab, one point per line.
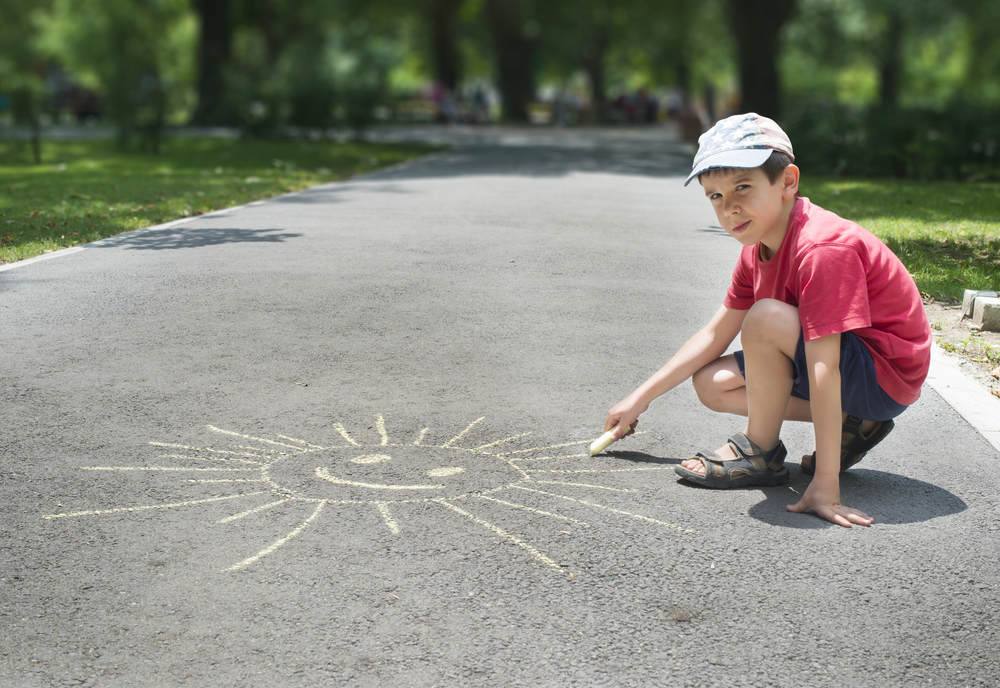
475	479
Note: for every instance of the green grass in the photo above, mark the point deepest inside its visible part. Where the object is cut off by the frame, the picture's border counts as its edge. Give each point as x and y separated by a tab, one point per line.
946	233
87	189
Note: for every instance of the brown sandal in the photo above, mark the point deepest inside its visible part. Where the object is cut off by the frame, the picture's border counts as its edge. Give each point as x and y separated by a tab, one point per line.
853	445
753	467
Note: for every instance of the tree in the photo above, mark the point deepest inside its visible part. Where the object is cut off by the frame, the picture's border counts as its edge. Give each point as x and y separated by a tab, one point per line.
443	19
22	67
215	38
756	25
515	32
137	52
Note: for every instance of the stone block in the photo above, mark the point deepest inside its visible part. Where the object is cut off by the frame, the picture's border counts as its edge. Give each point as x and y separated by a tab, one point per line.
986	314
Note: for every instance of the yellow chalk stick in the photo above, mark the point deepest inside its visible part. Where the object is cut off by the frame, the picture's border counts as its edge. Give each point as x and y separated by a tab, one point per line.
603	442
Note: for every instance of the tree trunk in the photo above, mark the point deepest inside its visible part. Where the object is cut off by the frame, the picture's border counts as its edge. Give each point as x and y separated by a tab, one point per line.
444	44
890	71
214	52
593	65
756	25
514	57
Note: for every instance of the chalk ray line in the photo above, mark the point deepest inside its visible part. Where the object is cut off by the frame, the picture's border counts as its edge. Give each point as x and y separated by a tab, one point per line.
343	433
230	480
594	487
251	512
150	506
261	450
558	446
502	533
166	468
278	543
598	470
255	439
292	439
508	439
325	475
211	458
462	434
380	426
206	449
383	510
420	437
550	458
532	509
608	508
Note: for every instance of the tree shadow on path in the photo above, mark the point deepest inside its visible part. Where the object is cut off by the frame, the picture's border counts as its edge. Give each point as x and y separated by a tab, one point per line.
193	237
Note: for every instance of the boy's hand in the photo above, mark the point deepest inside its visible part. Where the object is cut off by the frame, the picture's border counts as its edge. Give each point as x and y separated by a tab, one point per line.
624	412
823	497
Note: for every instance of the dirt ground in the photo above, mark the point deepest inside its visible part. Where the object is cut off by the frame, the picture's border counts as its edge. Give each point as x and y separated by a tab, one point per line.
979	351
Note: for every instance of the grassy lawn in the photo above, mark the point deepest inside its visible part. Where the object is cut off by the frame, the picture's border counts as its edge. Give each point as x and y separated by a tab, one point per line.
88	190
946	233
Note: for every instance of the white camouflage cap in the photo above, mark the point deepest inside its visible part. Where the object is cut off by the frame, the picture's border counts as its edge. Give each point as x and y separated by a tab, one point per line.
739	141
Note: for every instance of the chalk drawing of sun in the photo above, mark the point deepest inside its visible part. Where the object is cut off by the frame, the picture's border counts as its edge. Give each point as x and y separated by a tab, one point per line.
456	475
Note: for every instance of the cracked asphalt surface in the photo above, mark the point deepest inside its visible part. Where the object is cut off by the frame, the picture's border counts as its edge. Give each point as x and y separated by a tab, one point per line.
340	438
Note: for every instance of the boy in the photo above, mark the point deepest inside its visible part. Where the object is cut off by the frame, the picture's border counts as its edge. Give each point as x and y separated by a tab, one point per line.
832	326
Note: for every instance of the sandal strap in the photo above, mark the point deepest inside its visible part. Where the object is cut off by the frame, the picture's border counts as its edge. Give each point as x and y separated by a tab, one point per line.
745	448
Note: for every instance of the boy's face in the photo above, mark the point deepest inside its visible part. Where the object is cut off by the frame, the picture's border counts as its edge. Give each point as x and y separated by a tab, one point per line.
751	208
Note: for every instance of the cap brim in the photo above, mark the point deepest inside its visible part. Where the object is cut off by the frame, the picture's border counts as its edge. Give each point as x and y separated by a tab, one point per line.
742	158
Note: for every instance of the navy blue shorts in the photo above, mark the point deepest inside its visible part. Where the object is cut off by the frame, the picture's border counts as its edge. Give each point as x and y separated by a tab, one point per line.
860	394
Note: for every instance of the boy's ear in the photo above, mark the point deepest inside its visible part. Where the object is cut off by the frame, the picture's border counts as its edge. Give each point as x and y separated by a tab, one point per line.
790	182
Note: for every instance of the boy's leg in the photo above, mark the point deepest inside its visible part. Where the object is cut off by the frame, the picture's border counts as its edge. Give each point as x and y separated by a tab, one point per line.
770	335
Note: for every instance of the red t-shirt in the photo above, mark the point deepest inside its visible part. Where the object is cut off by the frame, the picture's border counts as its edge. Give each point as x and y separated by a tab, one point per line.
843	279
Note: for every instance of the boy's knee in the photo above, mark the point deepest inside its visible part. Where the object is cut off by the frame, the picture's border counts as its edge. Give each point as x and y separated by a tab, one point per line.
707	388
770	316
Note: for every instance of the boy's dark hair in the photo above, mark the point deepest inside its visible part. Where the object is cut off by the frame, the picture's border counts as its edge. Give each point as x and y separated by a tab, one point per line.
773	167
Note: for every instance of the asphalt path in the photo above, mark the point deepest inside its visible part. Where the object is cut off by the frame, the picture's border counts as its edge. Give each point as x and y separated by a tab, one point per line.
340	438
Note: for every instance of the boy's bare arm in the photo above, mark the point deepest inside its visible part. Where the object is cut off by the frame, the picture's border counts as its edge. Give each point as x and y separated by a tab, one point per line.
823	493
706	345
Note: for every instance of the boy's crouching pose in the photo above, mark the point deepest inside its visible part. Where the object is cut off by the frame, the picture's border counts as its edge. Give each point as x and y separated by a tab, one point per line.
832	327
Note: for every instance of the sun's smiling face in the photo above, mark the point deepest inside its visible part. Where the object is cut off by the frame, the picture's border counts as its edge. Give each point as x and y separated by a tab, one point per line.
392	473
387	477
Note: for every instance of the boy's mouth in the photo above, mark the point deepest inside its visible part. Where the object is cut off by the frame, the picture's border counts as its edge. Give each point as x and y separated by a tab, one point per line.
740	228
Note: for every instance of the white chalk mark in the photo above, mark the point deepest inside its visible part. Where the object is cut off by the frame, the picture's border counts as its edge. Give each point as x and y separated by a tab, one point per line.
462	434
343	433
508	439
230	480
251	512
213	451
420	437
279	543
292	439
599	470
255	439
550	458
325	475
502	533
608	508
150	506
383	509
557	446
594	487
210	458
165	468
532	510
380	426
551	446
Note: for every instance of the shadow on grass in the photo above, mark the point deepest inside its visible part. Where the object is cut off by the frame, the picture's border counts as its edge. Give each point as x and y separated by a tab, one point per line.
194	237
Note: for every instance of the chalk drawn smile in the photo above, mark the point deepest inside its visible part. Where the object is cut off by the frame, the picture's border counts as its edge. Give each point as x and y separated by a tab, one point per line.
388	476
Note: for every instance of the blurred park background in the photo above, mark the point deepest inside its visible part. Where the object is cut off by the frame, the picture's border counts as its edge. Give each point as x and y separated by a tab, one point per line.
119	114
873	87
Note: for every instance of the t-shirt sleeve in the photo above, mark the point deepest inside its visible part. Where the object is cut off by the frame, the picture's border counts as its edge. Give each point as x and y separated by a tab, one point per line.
833	291
740	294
